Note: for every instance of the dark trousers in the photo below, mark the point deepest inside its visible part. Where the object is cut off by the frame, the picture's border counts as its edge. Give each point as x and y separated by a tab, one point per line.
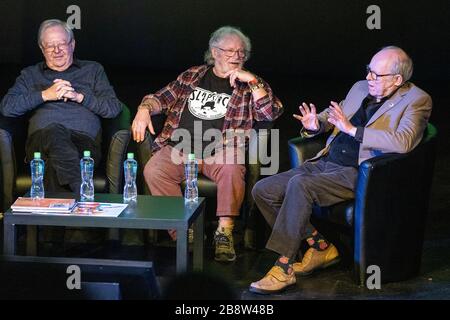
61	149
286	200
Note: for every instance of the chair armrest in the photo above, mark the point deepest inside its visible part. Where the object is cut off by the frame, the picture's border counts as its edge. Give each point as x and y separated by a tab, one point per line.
391	204
113	125
7	169
259	140
301	148
144	153
116	156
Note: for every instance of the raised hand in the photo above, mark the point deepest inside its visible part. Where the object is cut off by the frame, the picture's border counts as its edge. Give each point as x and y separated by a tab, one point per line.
337	118
309	117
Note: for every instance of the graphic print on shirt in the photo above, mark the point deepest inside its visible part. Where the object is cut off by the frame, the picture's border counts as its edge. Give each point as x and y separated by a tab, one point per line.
208	105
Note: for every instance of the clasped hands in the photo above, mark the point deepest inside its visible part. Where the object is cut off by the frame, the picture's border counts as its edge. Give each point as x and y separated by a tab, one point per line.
336	117
62	90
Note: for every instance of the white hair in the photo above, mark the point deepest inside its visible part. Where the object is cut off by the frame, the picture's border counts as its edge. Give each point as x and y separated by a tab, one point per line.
221	33
403	64
51	23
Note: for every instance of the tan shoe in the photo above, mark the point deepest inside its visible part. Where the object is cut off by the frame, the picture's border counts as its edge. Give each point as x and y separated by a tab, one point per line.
224	252
315	259
274	281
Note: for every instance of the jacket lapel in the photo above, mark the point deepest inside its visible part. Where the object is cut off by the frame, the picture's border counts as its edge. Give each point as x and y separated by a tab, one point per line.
389	103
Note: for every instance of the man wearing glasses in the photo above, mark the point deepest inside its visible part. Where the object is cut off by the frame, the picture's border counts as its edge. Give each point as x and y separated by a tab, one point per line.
222	96
66	98
383	114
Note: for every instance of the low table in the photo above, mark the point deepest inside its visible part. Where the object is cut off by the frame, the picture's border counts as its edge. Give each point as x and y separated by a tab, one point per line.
149	212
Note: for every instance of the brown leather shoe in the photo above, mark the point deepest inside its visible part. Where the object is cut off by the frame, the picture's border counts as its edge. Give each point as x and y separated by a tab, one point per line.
315	259
274	281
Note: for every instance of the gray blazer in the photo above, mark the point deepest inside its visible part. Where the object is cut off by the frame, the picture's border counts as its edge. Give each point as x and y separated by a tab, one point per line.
397	126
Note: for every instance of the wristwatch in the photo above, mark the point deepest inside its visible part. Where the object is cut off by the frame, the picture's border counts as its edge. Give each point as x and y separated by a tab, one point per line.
146	106
256	84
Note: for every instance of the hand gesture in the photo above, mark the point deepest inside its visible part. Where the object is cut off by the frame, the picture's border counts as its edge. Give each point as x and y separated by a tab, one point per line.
309	117
337	118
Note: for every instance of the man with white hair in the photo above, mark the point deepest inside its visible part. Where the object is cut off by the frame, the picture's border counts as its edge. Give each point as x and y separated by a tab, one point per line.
222	96
66	98
383	114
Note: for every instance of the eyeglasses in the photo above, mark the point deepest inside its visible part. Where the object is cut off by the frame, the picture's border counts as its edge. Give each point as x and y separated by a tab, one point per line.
51	48
375	75
230	53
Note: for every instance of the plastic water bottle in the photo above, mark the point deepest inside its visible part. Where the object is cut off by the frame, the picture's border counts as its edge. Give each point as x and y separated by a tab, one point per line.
87	177
191	171
37	166
130	171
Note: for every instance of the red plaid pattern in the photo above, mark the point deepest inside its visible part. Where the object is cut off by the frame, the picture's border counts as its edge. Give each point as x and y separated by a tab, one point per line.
242	110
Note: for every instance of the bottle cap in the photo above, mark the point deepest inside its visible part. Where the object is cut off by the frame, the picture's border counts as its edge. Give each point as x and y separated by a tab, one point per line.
86	153
191	156
130	155
37	155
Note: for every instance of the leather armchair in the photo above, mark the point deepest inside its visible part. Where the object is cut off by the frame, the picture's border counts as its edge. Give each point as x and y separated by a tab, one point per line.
15	177
386	221
206	187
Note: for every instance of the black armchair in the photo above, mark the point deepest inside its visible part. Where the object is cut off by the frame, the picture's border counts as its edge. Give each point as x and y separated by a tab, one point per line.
15	177
208	188
390	207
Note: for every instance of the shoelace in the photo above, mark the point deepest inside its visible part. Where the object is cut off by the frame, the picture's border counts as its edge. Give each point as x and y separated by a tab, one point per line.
222	239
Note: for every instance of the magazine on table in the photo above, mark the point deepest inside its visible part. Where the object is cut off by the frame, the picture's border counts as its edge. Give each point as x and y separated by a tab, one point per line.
100	209
44	205
57	206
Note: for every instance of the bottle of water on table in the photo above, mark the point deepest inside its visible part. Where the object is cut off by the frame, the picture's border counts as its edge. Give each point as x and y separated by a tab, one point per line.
191	171
87	177
130	171
37	166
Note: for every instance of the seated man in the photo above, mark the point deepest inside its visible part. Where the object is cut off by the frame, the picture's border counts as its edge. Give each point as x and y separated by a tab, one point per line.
384	114
66	98
220	96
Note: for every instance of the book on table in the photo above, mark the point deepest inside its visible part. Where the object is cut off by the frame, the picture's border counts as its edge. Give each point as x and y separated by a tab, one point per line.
44	205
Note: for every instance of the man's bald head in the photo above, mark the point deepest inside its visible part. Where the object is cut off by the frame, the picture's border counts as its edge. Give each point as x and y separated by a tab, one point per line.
400	62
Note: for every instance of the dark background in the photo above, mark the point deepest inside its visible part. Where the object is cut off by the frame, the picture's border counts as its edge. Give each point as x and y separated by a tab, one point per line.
324	45
307	50
306	38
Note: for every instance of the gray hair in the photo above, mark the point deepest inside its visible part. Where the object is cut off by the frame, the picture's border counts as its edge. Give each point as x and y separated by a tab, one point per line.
221	33
403	64
52	23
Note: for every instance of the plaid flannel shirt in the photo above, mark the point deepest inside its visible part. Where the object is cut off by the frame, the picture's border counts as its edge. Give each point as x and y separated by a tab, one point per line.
242	110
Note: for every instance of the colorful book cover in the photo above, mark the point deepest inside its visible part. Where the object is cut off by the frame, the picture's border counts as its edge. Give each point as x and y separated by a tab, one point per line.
25	204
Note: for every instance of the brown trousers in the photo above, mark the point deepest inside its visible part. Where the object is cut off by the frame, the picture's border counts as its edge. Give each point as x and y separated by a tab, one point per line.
164	177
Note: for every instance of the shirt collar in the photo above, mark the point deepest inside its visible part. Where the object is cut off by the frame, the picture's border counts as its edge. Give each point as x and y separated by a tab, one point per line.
372	99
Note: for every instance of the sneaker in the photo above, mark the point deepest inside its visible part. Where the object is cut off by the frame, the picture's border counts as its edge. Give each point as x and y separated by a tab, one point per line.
314	260
276	280
224	245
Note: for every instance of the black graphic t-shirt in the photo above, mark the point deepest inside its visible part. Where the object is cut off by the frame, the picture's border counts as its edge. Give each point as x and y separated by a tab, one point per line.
205	109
